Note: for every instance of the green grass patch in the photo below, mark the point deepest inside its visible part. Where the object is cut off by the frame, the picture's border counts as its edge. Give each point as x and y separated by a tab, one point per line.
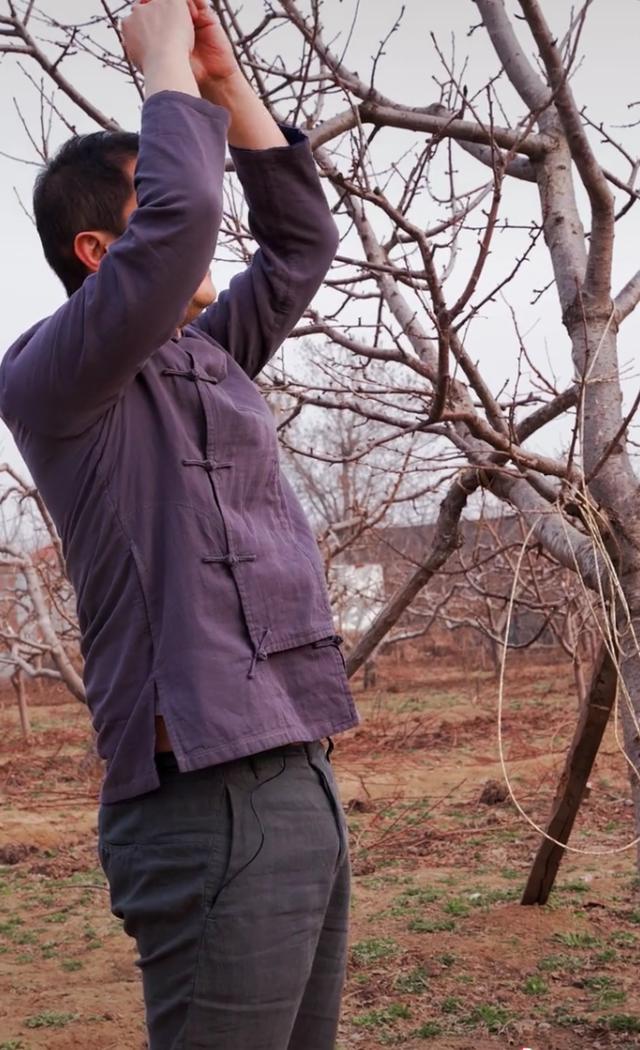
535	985
560	964
611	997
50	1019
430	1030
572	887
494	1018
373	949
566	1019
456	906
624	938
91	938
621	1023
412	899
379	882
57	917
577	940
413	983
421	925
389	1015
485	898
9	928
45	900
598	982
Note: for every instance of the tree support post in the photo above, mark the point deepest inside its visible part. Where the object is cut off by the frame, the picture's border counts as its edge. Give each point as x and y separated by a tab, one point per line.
573	782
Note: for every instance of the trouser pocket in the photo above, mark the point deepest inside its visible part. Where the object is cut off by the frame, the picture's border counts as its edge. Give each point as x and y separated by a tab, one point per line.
322	766
173	840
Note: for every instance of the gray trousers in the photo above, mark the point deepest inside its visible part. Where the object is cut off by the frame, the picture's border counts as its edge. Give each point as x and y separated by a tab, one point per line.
234	881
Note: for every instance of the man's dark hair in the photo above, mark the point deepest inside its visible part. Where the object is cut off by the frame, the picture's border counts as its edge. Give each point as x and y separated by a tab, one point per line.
84	187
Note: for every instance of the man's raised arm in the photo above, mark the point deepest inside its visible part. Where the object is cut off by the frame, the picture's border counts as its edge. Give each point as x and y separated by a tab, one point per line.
62	376
288	212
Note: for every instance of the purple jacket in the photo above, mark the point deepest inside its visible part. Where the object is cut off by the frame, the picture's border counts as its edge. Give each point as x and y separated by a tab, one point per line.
199	585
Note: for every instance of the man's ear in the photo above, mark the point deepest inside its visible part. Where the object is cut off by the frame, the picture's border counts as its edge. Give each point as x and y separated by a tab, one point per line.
91	247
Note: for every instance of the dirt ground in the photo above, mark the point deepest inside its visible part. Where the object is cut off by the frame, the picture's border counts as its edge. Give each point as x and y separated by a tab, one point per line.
442	954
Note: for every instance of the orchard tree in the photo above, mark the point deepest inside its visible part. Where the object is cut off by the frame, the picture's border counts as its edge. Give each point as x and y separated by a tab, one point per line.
39	635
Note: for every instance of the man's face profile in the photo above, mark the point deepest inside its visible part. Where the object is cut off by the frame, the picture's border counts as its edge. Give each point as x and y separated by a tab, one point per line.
91	247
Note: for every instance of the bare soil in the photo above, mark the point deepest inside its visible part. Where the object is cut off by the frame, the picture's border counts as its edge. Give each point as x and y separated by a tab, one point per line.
442	956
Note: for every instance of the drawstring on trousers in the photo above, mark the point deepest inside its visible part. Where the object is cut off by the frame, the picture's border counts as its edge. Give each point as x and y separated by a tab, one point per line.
235	874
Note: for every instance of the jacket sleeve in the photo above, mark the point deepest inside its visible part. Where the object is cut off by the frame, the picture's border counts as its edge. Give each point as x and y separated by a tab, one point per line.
297	240
63	375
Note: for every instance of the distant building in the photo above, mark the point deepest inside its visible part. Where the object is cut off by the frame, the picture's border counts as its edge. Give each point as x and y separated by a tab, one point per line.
367	572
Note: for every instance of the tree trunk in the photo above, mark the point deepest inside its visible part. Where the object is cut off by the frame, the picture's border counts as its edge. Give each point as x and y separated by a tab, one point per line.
573	782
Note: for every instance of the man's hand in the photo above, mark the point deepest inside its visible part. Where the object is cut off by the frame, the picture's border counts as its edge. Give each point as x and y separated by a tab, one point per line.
162	36
157	27
159	37
222	82
212	57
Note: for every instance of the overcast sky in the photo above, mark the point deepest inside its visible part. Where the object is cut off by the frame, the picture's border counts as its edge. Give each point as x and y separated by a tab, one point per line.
606	83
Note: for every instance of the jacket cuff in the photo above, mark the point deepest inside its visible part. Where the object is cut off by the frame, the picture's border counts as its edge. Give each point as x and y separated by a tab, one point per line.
274	179
162	100
294	137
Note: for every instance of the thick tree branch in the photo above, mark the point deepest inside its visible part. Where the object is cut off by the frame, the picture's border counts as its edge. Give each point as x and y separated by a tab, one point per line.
445	541
546	413
532	145
518	168
562	541
532	90
628	298
598	276
430	123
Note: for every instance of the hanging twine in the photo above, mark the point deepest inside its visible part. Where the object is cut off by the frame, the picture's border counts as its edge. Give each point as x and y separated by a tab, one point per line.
607	628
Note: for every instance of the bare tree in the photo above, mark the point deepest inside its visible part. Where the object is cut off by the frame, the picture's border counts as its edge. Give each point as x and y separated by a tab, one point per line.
548	608
470	611
352	477
39	635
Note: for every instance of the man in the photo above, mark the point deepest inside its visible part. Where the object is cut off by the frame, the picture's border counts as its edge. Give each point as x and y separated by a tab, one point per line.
211	665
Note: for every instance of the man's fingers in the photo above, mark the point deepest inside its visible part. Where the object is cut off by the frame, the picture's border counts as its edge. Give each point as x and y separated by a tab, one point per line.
192	5
203	8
